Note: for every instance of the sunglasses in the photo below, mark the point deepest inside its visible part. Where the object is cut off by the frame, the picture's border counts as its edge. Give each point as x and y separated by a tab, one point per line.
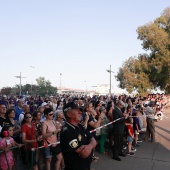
28	117
50	114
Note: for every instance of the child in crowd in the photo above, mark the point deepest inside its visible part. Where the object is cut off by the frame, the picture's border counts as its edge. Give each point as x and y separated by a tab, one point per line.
130	136
6	158
136	127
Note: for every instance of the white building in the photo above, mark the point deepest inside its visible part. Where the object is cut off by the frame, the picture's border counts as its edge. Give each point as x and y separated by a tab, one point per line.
71	91
102	89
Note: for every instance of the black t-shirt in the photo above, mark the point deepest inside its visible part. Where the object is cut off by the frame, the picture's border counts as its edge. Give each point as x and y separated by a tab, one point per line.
71	138
4	122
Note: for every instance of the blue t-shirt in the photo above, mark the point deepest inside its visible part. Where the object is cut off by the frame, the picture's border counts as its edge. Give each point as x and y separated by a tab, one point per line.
136	121
18	111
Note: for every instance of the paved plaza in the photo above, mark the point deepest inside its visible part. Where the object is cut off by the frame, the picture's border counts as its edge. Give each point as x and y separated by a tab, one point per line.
149	156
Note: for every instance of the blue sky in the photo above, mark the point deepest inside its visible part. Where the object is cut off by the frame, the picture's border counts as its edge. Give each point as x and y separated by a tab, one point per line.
78	38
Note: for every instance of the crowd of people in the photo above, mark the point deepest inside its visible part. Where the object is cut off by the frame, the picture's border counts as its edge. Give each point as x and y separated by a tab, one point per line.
64	130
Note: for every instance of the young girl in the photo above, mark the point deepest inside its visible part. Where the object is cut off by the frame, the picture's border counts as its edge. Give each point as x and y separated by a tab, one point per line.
130	136
7	161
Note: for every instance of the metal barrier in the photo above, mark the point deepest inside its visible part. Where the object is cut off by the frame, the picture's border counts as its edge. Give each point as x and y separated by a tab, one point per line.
20	156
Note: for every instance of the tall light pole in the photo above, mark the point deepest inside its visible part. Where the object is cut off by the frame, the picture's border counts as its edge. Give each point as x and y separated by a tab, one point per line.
20	82
60	80
110	71
31	80
86	86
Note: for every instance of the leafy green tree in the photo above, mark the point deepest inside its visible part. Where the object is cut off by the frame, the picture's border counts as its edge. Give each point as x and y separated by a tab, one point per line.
132	75
26	89
15	90
44	87
155	36
153	70
6	90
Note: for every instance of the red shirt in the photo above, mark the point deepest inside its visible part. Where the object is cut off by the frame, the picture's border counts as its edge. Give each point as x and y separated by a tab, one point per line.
30	134
129	127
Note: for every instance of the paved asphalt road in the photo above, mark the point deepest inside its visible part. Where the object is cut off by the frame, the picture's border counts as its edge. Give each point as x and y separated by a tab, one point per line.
149	156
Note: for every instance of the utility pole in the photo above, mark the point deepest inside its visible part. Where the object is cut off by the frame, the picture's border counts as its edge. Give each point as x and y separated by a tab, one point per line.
20	82
110	71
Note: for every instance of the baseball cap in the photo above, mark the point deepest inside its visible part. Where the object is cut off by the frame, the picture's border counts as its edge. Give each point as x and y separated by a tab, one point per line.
69	106
4	96
43	104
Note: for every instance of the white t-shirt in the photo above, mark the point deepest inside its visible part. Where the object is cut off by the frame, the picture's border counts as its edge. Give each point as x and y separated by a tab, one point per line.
21	117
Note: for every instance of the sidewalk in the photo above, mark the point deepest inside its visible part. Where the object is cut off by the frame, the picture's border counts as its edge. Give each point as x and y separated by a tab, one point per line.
149	156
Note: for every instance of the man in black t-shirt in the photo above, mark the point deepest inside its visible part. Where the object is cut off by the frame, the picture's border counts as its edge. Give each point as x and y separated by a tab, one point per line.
76	143
3	120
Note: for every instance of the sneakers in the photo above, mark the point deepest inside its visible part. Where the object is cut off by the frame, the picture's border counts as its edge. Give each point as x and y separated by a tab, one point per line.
140	140
95	158
130	154
124	147
137	145
133	149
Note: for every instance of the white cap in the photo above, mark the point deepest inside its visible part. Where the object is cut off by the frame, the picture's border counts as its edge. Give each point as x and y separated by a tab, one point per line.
44	104
4	96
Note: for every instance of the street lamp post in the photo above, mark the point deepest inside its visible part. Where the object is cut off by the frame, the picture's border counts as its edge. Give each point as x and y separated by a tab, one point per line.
86	86
110	71
20	82
60	80
31	80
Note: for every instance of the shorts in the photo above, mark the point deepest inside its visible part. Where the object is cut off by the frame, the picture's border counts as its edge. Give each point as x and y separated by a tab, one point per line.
129	139
52	151
47	153
55	150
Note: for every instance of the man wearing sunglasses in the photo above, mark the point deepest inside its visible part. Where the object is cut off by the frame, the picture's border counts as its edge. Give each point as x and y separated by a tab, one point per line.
76	143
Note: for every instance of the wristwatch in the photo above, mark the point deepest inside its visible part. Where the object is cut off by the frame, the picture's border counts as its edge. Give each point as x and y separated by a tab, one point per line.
53	133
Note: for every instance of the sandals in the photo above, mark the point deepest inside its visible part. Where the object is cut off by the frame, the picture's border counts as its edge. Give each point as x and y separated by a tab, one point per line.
105	153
